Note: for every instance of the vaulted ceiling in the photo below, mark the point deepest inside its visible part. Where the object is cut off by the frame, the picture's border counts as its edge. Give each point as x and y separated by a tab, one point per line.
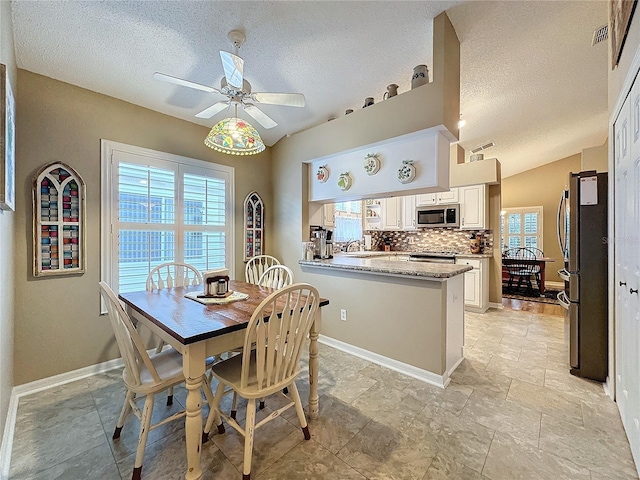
530	80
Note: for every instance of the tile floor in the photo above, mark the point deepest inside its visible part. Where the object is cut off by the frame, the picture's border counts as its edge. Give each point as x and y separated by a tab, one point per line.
512	411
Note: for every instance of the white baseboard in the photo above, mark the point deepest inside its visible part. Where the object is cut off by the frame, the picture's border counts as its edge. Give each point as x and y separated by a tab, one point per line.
428	377
38	386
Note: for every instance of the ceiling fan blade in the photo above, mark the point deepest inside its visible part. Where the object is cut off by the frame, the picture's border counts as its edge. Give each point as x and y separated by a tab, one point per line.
262	118
287	99
184	83
212	110
233	66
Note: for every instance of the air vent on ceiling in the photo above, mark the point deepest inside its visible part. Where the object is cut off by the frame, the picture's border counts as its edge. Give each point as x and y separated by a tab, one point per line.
600	35
483	147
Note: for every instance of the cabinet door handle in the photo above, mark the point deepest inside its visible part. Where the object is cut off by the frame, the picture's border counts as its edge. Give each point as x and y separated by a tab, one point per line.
622	283
631	290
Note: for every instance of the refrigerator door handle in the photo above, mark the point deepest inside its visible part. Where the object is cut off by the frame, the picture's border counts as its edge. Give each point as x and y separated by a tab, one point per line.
563	300
561	213
564	275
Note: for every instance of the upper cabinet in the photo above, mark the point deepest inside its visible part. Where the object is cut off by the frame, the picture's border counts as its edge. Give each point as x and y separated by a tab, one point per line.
391	212
474	207
409	212
440	198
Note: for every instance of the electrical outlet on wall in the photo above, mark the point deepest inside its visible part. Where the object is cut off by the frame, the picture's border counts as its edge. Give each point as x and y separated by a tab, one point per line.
343	315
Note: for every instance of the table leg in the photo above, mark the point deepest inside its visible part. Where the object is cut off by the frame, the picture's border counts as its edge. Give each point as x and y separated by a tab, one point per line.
542	265
314	404
194	368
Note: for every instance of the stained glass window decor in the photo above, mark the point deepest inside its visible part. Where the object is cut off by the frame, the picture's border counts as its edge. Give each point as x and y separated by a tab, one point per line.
58	221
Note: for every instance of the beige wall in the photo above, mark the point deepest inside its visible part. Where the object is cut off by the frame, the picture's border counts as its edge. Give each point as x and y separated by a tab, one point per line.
58	328
542	186
7	220
596	158
408	112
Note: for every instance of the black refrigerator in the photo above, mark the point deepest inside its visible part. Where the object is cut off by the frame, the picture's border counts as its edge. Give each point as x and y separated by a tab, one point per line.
582	234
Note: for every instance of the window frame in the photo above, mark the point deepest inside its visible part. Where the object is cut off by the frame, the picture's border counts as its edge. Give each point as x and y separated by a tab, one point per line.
109	205
504	234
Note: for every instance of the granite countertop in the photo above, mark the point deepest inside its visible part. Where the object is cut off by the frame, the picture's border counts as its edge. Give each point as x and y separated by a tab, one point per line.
379	253
363	262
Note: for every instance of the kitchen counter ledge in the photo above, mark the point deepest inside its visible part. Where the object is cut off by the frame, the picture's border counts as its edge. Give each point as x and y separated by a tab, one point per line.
376	265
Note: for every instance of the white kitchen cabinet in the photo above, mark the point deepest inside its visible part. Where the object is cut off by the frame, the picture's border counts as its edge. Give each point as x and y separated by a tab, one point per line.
408	212
440	198
329	215
391	214
474	207
476	284
448	197
426	199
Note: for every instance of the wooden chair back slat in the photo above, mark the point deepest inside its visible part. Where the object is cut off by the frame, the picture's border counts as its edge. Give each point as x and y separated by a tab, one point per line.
276	276
173	274
257	265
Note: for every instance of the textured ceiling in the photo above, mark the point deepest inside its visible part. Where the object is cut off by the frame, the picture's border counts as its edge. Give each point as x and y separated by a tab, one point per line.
530	80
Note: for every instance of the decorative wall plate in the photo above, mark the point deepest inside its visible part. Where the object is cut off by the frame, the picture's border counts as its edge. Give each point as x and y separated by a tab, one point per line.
407	172
371	163
345	181
322	174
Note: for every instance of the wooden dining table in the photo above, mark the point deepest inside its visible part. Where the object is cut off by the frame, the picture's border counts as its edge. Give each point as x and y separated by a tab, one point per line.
199	331
539	261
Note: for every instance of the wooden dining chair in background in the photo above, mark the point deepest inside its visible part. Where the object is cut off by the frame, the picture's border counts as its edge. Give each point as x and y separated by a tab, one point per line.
145	375
269	362
256	266
520	267
169	275
276	276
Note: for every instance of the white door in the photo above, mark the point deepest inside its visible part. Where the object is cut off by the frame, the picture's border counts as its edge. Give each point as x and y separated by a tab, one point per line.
627	266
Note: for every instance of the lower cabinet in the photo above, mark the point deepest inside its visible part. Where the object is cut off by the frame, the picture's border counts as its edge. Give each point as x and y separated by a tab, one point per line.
476	284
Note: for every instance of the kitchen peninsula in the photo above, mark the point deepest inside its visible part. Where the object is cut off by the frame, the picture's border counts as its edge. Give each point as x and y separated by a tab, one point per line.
408	316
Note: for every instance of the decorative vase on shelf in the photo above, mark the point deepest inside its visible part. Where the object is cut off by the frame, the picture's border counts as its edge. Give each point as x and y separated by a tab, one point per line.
474	243
420	76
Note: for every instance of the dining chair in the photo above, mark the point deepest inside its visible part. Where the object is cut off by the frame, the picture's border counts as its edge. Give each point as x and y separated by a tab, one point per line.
173	274
169	275
145	375
269	362
524	270
257	265
276	276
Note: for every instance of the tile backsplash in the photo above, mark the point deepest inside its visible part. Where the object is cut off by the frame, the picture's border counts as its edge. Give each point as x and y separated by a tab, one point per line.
432	239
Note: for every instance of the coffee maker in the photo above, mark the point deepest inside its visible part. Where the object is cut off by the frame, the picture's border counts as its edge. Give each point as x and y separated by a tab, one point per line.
323	242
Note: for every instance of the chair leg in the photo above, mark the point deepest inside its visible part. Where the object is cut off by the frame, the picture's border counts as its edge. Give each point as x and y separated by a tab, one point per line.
126	410
212	411
145	423
170	397
248	438
295	396
262	403
234	406
216	408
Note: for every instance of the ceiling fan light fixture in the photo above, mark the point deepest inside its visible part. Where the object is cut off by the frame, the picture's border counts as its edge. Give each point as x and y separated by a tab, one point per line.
234	136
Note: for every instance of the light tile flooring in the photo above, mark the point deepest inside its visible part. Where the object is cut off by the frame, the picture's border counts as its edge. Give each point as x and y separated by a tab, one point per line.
512	411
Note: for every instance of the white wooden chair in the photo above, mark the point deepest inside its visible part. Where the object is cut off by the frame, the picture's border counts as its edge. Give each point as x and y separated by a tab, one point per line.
256	266
145	375
169	275
277	276
173	274
270	361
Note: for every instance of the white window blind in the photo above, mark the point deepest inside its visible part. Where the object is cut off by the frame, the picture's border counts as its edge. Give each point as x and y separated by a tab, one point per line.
161	208
348	221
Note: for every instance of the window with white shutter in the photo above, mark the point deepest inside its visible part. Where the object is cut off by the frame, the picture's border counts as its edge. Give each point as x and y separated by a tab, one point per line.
521	227
159	208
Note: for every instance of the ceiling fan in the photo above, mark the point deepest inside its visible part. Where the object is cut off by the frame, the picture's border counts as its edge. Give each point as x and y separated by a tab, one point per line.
237	89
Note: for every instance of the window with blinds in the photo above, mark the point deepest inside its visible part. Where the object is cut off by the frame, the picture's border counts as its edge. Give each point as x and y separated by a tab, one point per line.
163	208
521	227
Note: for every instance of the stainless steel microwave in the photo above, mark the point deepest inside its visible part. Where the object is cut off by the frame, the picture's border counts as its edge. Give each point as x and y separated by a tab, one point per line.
438	216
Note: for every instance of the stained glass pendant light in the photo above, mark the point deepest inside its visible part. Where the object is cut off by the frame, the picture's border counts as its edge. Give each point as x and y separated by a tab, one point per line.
234	136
